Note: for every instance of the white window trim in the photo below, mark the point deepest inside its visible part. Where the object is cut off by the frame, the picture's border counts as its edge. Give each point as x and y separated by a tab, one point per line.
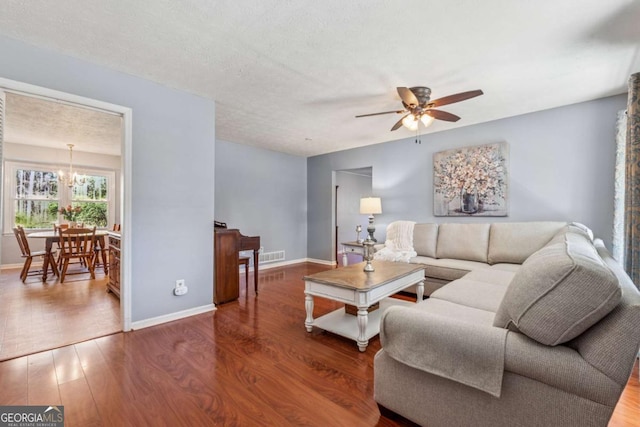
64	196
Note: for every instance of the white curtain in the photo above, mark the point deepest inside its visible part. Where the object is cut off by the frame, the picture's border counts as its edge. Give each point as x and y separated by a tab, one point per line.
619	188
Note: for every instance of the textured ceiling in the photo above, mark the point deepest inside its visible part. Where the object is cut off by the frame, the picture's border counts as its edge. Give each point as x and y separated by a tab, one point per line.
291	75
53	124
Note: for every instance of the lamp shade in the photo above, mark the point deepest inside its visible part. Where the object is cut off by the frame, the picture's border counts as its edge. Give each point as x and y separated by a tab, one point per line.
370	205
410	122
426	120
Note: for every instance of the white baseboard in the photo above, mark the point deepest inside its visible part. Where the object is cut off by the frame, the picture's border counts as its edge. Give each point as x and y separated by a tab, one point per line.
273	265
285	263
140	324
320	261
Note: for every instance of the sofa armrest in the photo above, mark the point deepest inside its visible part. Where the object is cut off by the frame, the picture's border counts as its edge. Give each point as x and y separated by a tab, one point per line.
464	352
560	367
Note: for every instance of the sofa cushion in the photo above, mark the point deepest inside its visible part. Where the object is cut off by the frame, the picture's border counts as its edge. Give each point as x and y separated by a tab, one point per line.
459	312
472	293
491	275
506	267
514	242
447	269
425	238
559	292
463	241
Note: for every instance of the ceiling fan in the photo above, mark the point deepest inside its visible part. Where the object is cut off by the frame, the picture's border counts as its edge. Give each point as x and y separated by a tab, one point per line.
419	108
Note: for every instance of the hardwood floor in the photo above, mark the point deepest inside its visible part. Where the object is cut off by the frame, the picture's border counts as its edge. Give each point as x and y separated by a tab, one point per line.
251	362
37	316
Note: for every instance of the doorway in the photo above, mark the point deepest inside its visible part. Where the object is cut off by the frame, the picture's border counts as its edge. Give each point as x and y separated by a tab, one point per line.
351	186
36	295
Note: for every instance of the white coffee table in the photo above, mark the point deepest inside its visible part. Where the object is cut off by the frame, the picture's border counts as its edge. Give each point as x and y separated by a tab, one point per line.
351	285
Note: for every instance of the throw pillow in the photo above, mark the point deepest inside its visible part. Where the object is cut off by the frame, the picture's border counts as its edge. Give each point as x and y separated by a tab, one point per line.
559	292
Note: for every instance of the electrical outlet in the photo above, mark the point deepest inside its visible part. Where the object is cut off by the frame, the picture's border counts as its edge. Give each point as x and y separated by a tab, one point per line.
180	288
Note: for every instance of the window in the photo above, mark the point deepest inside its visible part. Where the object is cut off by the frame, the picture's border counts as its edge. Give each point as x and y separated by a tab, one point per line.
35	197
92	197
35	201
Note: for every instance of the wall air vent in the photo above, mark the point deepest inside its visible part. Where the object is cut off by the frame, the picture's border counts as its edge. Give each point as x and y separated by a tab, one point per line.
266	257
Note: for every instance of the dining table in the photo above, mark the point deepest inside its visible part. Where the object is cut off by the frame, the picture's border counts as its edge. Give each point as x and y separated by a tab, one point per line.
53	237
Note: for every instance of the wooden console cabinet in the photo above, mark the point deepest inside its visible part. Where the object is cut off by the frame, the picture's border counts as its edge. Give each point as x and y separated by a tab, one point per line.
114	264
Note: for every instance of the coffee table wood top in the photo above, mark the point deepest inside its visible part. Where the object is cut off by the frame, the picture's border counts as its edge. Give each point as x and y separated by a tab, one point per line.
353	276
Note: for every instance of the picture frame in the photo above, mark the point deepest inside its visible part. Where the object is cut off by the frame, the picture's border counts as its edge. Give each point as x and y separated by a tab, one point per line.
471	181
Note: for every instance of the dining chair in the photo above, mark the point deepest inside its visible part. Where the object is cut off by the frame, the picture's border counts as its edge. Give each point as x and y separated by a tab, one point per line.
77	244
28	255
57	227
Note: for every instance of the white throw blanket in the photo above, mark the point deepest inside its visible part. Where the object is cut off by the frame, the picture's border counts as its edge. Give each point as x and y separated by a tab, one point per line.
399	244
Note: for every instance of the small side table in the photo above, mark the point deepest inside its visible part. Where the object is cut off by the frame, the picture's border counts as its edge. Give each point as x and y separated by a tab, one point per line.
351	247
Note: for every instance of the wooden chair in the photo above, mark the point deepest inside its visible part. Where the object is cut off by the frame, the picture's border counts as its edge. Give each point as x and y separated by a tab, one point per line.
244	260
56	228
28	256
77	243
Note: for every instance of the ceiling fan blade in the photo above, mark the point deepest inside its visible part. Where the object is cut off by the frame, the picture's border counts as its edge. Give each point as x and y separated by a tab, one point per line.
442	115
384	112
407	96
398	123
455	98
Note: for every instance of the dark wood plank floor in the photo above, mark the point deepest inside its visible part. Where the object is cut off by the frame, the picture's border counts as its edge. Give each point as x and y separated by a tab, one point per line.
251	362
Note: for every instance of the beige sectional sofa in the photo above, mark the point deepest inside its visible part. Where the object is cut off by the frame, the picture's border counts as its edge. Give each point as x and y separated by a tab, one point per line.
527	324
450	251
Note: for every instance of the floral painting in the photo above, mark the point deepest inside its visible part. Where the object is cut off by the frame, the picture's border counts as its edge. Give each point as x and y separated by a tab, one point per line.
471	181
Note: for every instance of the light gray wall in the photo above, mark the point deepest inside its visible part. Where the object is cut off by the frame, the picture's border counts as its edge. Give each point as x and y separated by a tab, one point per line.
263	192
173	172
560	168
352	188
59	158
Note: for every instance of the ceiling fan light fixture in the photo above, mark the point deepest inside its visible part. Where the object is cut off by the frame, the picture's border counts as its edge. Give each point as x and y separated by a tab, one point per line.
426	120
418	107
410	122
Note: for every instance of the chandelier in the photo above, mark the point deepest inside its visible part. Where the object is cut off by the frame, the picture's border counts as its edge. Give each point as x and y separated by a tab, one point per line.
72	178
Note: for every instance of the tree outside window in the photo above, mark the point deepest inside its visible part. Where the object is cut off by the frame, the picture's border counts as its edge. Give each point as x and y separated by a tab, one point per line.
92	198
37	196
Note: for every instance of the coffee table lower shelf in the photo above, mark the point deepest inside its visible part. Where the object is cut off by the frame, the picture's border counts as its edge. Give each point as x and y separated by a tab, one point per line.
346	325
362	289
